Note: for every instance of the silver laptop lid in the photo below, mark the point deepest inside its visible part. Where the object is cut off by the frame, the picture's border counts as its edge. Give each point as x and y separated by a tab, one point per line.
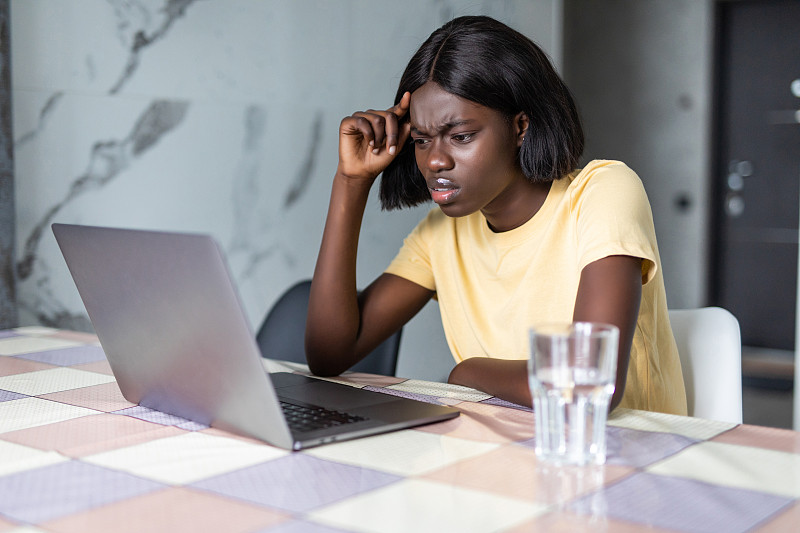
168	316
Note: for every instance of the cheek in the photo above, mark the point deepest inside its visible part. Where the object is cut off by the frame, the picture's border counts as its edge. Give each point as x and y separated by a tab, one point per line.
487	159
507	149
494	166
419	159
504	160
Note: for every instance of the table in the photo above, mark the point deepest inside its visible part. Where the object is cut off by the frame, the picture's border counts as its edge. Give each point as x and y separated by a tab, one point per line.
75	456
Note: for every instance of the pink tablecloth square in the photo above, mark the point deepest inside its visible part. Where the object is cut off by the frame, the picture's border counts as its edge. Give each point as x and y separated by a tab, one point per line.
169	511
513	471
559	521
486	423
783	440
88	435
10	366
105	397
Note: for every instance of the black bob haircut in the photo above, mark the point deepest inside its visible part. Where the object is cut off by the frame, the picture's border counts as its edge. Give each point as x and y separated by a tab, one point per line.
486	62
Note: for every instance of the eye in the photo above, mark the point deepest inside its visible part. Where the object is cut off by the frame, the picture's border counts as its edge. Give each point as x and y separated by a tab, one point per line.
420	142
462	137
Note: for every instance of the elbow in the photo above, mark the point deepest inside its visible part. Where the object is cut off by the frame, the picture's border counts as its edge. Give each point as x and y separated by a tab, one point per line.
323	370
321	364
454	377
328	350
323	361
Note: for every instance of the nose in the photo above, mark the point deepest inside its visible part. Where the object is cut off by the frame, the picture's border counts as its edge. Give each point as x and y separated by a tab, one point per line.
438	158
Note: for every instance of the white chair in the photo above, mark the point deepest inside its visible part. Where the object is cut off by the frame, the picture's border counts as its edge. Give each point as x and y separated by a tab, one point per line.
710	348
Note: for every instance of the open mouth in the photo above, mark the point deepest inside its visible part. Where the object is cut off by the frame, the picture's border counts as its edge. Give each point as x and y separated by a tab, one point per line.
443	191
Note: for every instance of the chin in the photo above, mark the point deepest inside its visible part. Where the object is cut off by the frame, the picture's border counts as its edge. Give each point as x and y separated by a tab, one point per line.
455	211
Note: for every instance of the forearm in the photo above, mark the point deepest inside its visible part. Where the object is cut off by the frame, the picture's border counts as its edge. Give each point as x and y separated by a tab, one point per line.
333	314
507	380
368	142
610	292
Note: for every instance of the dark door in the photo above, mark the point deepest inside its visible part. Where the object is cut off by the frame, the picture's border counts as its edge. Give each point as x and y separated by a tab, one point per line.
757	168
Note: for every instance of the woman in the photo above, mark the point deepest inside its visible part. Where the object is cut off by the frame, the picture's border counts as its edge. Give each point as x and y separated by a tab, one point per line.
484	127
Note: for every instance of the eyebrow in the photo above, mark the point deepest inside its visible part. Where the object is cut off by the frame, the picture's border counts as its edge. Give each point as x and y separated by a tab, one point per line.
444	127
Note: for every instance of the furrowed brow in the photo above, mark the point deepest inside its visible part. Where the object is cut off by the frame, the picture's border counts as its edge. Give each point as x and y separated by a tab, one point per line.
443	128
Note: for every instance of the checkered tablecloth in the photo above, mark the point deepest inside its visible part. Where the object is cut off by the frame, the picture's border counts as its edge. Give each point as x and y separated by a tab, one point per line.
75	456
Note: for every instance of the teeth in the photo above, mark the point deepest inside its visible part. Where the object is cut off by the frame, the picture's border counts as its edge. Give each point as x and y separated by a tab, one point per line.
443	185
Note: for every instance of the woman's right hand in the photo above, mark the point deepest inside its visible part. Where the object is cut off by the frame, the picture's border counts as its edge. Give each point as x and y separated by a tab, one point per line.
370	140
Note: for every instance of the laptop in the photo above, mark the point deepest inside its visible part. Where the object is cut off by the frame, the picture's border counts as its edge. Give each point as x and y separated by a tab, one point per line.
170	321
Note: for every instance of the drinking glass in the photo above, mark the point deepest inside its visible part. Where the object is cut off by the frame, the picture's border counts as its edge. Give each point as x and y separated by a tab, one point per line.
572	372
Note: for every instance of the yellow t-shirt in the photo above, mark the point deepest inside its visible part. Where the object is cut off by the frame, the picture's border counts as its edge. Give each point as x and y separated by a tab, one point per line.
492	287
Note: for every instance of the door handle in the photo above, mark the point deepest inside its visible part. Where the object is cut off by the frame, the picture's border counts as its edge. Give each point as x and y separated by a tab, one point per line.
738	170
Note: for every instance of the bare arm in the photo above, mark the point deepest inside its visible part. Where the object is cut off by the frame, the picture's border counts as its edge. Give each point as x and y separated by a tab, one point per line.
343	326
609	291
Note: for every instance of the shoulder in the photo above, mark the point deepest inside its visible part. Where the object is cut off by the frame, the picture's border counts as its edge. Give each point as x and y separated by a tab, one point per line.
603	170
605	178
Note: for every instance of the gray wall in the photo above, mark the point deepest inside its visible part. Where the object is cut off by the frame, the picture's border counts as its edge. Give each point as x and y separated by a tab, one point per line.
641	73
8	299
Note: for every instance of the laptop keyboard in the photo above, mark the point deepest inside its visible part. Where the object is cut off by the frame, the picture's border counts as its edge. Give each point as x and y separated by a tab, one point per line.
302	418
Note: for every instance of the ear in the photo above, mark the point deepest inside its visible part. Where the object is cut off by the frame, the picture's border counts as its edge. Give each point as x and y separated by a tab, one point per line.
520	124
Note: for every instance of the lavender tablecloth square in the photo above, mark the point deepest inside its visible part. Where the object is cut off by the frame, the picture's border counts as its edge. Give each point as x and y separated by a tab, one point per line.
6	396
630	447
151	415
50	492
76	355
297	482
680	504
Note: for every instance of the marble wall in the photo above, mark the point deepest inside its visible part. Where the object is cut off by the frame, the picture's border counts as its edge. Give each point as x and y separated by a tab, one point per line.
8	299
215	116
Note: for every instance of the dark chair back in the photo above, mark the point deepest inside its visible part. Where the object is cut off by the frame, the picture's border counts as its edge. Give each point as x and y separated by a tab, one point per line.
282	335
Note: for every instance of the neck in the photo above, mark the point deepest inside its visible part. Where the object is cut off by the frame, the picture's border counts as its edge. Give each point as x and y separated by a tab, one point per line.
516	206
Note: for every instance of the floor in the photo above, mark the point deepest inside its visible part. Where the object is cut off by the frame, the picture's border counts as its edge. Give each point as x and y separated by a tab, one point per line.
768	392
